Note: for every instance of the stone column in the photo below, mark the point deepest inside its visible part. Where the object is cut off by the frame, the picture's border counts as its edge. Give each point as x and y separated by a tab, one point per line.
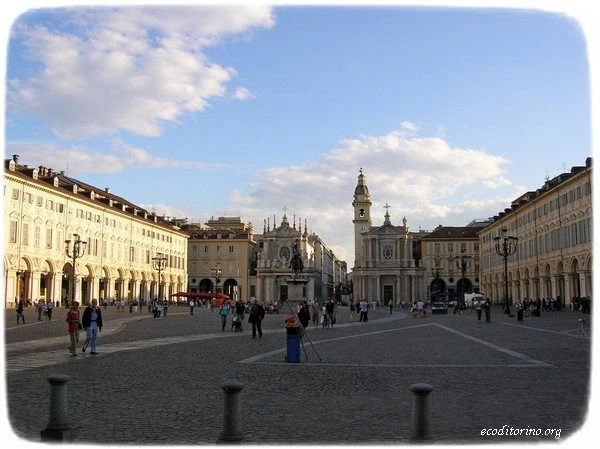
58	427
420	411
232	412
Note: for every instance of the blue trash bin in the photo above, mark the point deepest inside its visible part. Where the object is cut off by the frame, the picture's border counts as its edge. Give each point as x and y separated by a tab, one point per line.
293	345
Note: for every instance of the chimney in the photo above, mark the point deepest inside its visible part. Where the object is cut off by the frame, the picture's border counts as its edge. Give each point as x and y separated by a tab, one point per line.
16	158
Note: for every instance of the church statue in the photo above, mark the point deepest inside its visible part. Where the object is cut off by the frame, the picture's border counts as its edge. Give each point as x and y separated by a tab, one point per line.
296	261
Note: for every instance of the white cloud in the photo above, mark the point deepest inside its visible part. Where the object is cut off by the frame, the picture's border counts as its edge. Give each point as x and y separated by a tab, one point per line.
118	157
131	69
241	93
424	179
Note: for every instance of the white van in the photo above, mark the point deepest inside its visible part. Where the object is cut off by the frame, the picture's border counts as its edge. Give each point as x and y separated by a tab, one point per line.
470	297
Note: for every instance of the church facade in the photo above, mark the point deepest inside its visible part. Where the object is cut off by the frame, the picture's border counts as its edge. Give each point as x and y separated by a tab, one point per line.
321	269
384	266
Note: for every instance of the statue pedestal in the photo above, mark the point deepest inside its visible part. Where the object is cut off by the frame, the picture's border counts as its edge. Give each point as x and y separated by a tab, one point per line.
295	285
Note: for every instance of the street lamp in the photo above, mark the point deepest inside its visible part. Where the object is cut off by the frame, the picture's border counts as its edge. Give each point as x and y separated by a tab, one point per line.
75	252
506	245
435	272
216	273
159	263
463	263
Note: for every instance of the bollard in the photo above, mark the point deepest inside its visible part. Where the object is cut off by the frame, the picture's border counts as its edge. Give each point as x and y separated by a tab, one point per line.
58	428
232	413
420	411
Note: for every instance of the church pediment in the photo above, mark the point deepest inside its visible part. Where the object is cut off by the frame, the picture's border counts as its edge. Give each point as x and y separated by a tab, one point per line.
387	230
284	231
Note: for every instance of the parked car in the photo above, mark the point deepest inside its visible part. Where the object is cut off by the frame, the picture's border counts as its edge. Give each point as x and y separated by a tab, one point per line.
438	307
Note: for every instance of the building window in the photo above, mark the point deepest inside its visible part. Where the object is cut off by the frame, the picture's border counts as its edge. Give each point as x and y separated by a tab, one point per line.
13	232
230	248
25	240
49	238
37	237
15	194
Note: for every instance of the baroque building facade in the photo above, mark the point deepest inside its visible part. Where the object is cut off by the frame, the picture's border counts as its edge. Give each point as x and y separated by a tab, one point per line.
44	208
384	265
553	255
322	270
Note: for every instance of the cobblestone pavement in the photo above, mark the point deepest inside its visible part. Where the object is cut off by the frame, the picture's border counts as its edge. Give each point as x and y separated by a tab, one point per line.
158	381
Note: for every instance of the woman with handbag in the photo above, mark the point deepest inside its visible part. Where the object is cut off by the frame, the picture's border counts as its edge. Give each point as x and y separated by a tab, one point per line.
73	326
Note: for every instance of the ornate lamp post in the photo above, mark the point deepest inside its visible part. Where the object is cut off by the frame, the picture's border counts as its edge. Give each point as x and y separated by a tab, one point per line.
74	252
463	263
216	273
159	263
435	272
505	246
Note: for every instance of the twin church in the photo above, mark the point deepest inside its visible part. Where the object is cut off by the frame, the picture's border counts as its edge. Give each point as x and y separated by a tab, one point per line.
384	266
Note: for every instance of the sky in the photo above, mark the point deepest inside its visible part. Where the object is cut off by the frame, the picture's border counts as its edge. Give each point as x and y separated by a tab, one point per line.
204	111
451	111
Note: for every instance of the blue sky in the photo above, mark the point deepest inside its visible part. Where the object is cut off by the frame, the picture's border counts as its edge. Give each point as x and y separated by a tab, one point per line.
197	112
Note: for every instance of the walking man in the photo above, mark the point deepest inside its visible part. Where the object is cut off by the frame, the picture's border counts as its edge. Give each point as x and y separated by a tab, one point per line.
257	314
364	310
488	310
92	324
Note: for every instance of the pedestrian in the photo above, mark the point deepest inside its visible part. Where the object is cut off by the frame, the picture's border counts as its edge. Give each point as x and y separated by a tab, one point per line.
49	307
364	310
421	308
324	321
192	304
20	313
73	326
329	308
314	314
414	309
304	314
456	307
478	309
92	324
223	312
519	306
352	309
165	306
40	310
391	306
240	309
487	305
257	314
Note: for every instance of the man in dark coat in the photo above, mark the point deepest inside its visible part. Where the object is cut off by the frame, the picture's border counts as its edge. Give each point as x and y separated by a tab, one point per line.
257	314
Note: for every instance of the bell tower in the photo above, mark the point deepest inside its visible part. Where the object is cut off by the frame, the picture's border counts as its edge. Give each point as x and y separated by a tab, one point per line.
362	218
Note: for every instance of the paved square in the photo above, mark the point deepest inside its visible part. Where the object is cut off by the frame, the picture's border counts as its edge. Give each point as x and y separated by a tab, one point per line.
158	381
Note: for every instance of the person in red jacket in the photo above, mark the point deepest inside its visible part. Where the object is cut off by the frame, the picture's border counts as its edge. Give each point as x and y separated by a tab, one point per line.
73	326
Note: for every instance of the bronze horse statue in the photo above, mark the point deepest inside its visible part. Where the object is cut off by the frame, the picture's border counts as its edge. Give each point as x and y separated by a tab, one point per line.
296	261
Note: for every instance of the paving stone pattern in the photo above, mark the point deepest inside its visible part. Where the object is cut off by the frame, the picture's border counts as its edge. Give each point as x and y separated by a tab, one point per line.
158	381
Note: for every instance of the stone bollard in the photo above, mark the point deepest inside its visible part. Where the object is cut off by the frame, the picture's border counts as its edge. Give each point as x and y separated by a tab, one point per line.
58	428
420	411
232	413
